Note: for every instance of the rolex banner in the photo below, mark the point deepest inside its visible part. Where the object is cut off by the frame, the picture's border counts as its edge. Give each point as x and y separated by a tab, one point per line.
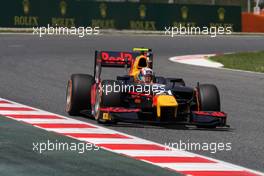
115	15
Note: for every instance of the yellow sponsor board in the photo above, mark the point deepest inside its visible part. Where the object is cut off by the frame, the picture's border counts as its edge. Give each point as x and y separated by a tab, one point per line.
63	22
142	25
184	24
103	23
26	21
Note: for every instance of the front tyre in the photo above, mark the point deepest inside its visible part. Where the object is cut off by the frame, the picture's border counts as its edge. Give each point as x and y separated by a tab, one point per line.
209	98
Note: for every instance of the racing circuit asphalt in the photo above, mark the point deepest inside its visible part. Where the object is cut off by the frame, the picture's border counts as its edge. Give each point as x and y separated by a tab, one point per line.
34	71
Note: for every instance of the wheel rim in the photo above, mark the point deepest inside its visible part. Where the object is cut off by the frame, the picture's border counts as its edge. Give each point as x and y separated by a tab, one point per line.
69	96
97	105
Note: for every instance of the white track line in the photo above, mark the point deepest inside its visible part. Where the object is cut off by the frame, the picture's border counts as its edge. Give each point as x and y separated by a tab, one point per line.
197	60
10	105
48	121
199	166
114	141
25	113
82	130
135	153
203	61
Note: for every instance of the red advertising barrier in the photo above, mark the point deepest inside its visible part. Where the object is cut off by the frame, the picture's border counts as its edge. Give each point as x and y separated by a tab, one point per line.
252	22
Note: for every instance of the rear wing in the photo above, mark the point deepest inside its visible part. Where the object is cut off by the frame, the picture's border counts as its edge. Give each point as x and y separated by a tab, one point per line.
115	58
121	59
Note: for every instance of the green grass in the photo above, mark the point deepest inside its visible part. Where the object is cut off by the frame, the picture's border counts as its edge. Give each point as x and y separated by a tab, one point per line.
250	61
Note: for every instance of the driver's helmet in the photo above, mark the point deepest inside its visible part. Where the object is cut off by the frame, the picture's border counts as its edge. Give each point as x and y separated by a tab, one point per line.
146	75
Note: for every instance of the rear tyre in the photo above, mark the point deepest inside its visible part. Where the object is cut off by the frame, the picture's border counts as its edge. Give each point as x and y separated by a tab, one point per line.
78	95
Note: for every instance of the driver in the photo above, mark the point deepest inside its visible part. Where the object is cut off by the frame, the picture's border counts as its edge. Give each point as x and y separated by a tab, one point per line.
145	75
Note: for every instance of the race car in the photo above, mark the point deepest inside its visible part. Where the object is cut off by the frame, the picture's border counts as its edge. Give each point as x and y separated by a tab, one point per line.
140	96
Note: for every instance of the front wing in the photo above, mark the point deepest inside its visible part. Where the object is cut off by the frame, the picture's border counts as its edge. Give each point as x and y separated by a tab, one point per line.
198	118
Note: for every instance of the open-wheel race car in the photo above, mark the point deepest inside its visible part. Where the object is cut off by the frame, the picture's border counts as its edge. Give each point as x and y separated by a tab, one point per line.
130	98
